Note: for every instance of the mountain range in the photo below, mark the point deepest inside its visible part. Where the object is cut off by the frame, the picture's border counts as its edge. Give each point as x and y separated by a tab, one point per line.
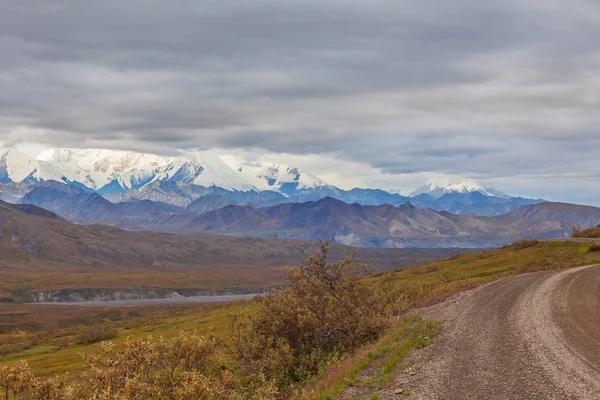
390	227
205	193
43	256
217	211
121	176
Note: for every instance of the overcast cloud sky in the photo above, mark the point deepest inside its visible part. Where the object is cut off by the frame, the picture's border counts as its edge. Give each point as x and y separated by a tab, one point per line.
363	93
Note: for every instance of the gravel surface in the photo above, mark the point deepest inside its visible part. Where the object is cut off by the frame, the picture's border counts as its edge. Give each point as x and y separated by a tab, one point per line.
533	336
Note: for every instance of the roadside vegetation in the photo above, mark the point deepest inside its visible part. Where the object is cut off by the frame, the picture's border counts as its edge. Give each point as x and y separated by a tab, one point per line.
589	233
328	331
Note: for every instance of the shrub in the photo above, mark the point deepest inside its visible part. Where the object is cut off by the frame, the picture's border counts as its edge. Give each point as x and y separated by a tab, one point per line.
186	367
586	233
594	247
325	308
524	244
95	334
18	382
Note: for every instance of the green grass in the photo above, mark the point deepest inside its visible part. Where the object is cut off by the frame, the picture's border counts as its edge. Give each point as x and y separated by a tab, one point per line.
34	351
413	334
373	367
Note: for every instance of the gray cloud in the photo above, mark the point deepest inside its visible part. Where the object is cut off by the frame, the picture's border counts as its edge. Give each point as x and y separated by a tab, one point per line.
486	89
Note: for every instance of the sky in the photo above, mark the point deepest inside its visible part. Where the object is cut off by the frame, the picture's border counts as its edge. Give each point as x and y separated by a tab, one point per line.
376	93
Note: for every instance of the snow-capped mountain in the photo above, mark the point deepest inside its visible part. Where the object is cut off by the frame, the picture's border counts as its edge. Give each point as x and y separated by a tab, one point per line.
128	176
97	168
276	177
15	166
216	172
464	186
109	171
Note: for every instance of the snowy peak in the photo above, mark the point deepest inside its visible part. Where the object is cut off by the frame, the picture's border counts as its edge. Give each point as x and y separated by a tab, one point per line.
15	166
217	172
464	186
96	168
109	171
431	188
276	177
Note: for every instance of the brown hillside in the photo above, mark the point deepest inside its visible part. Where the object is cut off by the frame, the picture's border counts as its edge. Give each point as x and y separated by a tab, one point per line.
45	252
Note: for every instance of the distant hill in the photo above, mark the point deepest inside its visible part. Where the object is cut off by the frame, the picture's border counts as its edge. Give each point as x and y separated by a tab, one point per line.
389	226
559	217
441	222
34	232
12	192
42	253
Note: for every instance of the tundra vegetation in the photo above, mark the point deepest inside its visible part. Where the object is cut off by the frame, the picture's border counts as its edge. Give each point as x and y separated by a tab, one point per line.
324	310
329	329
589	233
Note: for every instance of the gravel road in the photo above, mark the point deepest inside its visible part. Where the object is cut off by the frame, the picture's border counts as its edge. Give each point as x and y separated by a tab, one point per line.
533	336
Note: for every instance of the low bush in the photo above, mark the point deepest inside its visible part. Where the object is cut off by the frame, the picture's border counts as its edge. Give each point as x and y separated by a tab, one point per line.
586	233
524	244
325	308
95	334
185	368
594	247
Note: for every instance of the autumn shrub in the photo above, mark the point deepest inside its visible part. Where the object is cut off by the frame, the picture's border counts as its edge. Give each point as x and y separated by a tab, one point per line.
524	244
95	334
593	232
187	367
324	309
594	247
12	348
262	360
17	382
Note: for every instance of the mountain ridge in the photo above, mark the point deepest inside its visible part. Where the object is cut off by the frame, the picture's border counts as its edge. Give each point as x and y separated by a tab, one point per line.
270	214
390	226
125	175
